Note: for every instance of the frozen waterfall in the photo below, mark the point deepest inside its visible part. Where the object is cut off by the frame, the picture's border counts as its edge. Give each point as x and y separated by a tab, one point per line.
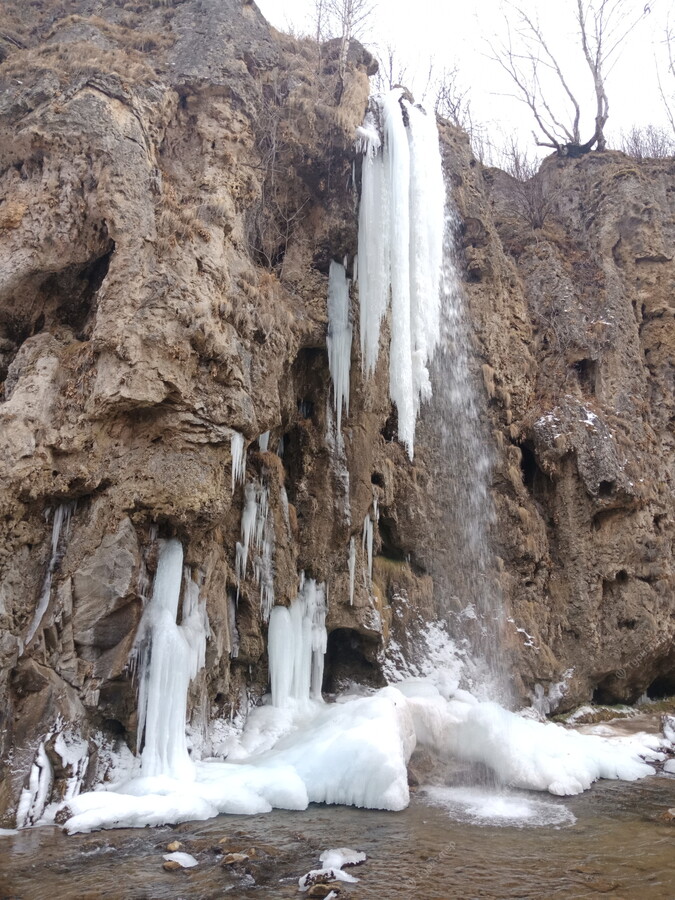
339	339
297	644
400	248
170	657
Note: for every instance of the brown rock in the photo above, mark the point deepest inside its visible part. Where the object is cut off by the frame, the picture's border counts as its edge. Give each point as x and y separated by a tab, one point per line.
171	865
323	890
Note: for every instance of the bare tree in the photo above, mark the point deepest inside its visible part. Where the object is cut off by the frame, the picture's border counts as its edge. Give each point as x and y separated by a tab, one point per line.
649	142
346	20
391	71
544	83
451	100
669	98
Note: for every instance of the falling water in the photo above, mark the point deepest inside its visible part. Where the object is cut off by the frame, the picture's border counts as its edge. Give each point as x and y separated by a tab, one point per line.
406	241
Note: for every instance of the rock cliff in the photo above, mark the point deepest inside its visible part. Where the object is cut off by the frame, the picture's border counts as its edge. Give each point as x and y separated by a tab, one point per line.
176	177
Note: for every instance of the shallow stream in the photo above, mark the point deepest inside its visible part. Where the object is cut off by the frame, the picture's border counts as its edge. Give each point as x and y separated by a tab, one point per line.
612	842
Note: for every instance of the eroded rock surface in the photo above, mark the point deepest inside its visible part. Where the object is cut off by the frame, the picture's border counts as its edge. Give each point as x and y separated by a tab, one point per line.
176	179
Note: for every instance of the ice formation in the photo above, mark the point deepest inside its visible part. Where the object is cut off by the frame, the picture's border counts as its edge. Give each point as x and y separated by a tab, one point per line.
296	646
264	442
339	340
400	248
170	657
257	533
333	862
355	752
238	453
351	564
61	518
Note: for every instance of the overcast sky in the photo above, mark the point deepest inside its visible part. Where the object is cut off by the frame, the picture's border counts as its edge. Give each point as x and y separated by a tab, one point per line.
456	33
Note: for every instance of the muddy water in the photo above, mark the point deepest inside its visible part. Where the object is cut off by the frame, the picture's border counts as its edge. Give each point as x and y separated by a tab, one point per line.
618	847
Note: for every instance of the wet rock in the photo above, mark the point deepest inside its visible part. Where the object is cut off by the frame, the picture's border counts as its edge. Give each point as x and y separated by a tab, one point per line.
323	890
170	865
233	859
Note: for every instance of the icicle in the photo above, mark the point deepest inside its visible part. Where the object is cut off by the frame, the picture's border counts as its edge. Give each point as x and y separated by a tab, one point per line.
352	569
401	231
373	244
264	442
238	452
257	532
170	659
232	626
297	641
367	544
61	517
35	796
339	339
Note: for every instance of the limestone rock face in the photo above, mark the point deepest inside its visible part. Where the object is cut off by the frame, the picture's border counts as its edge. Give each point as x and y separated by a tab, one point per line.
176	179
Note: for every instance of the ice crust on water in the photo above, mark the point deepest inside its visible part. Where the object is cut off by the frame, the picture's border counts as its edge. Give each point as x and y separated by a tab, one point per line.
400	248
339	340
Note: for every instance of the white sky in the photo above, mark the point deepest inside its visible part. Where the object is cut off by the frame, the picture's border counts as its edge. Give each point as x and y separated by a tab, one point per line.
454	32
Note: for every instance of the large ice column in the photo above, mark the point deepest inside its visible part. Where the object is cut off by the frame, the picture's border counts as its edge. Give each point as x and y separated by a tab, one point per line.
339	339
400	259
296	646
171	656
373	241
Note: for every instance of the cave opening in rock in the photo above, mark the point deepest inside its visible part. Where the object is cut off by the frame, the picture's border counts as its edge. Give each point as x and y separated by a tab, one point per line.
662	687
586	371
350	657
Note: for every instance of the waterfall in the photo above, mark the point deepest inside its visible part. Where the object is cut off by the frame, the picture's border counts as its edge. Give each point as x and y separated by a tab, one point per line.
170	657
296	749
400	258
459	441
406	243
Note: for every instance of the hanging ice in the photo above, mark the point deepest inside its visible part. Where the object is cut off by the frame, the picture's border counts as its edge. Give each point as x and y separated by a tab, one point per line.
339	337
238	452
351	563
296	646
257	533
61	518
264	442
170	657
401	227
367	538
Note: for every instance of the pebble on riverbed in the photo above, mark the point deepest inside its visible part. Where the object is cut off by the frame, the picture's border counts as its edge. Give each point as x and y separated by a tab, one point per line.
231	859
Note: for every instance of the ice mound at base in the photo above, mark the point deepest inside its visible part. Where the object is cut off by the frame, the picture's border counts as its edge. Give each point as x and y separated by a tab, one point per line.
523	753
355	752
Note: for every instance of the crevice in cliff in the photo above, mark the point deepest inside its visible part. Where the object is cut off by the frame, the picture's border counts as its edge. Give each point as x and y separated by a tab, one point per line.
51	302
350	658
